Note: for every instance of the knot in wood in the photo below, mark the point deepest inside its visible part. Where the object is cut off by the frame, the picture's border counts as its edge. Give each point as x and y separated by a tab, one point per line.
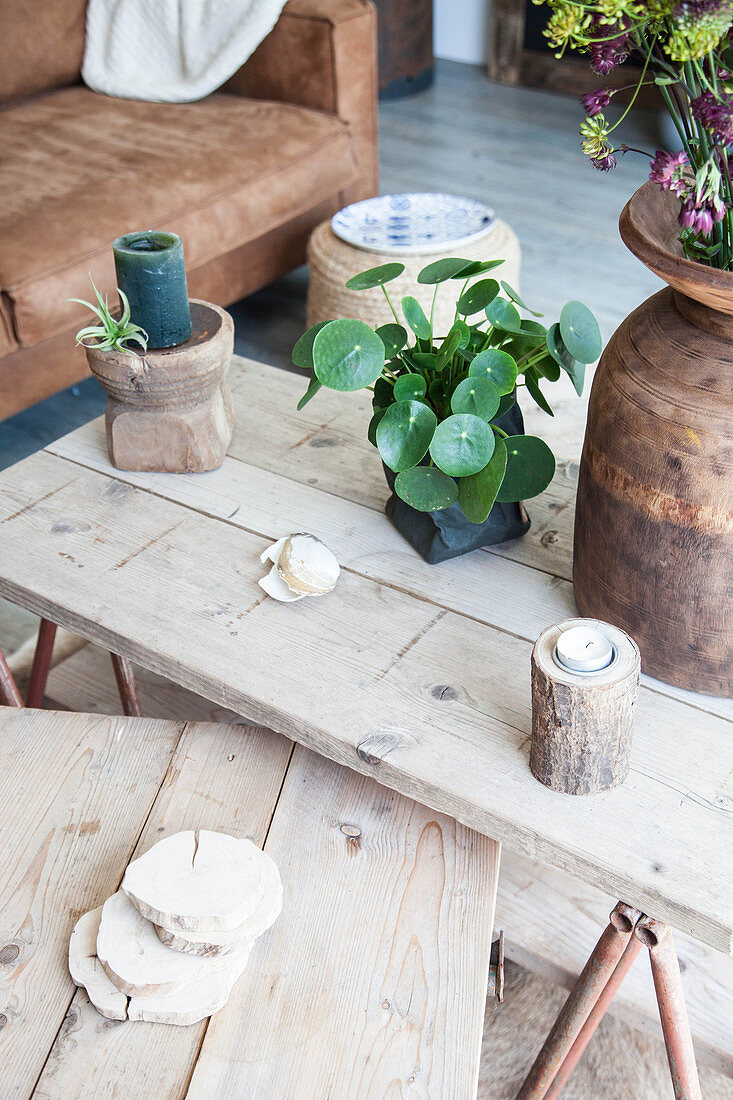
443	692
353	832
9	953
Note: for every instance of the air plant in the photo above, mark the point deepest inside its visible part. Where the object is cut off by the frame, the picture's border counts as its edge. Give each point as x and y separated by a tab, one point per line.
112	333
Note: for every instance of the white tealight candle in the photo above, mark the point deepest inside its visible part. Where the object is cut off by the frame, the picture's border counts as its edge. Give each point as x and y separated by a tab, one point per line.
583	649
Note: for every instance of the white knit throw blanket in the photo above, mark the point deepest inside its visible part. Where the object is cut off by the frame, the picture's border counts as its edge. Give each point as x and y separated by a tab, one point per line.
171	51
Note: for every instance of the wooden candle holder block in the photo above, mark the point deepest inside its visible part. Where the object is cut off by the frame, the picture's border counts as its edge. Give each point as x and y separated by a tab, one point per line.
171	410
582	721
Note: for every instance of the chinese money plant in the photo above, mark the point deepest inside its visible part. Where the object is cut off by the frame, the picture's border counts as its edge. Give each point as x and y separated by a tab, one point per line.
438	401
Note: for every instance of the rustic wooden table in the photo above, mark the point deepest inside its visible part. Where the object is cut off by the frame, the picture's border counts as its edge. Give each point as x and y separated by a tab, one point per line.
415	675
393	999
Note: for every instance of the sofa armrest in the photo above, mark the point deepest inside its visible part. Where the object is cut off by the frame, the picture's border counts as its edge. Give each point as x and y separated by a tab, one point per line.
323	54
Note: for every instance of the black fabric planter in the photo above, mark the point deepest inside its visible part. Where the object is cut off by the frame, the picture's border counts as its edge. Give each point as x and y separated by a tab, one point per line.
438	536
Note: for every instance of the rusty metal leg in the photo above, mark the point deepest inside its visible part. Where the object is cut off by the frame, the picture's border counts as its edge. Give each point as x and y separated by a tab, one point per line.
126	686
9	694
633	947
672	1009
579	1005
41	663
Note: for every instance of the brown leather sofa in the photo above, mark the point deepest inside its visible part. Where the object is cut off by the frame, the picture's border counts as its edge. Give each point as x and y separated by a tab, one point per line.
243	176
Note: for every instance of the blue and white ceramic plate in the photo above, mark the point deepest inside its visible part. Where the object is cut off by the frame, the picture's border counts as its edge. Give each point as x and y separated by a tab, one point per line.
413	224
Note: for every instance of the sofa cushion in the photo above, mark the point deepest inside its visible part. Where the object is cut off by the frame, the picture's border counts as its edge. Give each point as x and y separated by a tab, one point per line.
79	169
41	45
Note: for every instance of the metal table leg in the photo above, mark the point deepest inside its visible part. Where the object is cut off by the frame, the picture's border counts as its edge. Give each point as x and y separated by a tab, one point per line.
672	1008
592	994
579	1005
9	694
41	663
633	947
125	678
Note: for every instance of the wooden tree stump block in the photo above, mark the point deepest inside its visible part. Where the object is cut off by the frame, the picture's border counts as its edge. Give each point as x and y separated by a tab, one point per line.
171	410
582	722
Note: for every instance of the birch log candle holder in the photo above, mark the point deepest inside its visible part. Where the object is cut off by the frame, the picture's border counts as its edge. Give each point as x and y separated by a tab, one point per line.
585	681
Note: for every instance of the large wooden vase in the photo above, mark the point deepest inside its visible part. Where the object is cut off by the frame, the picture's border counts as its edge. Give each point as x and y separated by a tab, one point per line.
654	518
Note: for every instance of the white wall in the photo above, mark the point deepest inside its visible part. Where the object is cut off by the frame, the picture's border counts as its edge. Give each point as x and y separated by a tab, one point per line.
461	30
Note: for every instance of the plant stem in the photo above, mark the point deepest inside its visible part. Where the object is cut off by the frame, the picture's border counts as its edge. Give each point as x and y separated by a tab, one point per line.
389	302
432	316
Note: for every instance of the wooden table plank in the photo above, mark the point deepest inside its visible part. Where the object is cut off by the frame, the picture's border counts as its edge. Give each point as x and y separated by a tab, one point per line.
74	792
223	778
551	921
268	504
373	980
434	704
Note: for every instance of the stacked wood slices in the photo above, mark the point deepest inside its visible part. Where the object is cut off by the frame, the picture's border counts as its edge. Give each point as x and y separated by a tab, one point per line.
171	943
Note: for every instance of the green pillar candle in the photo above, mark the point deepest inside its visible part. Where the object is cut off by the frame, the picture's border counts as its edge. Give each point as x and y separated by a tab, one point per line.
152	273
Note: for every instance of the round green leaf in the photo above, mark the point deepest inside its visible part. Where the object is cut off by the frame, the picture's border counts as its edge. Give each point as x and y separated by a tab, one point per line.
532	380
580	332
503	315
375	276
313	387
477	297
462	444
561	355
476	267
548	368
302	354
477	396
347	355
440	270
534	327
383	393
529	470
415	317
426	489
496	365
394	338
404	434
373	425
506	403
410	387
437	391
450	345
512	293
477	493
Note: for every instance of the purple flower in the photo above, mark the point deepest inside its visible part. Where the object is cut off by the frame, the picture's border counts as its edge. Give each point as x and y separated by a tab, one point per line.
700	215
667	170
604	163
606	55
716	115
595	102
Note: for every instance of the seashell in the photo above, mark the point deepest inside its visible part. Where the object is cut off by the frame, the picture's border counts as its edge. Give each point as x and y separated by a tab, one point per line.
302	566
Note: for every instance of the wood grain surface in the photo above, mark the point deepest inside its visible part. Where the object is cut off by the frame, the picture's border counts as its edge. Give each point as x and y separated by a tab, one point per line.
393	674
551	921
373	981
209	783
65	838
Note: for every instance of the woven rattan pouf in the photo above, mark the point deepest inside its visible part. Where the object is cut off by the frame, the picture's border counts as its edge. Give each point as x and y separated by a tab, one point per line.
333	261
